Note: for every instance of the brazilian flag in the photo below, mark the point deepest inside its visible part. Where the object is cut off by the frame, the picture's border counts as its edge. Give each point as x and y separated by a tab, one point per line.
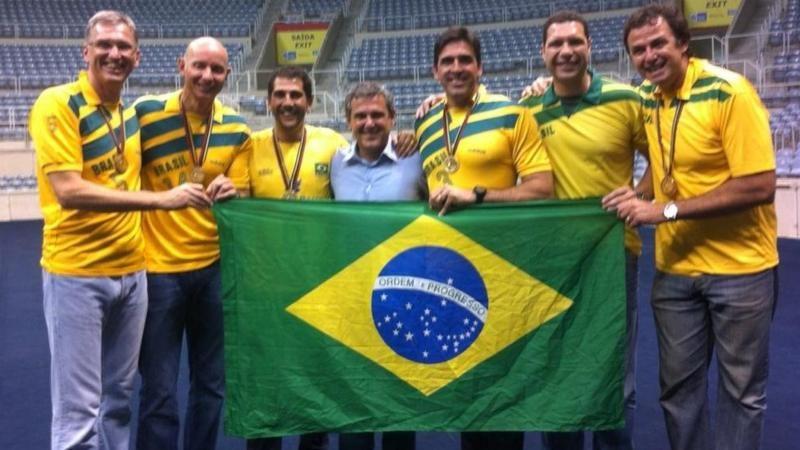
358	317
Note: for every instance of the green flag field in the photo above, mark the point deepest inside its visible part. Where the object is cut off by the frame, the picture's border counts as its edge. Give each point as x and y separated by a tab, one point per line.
377	317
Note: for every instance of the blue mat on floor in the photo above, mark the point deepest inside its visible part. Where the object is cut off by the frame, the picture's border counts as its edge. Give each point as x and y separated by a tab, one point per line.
24	356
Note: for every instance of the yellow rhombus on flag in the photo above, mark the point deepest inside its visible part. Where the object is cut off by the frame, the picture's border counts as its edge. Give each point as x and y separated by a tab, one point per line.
344	307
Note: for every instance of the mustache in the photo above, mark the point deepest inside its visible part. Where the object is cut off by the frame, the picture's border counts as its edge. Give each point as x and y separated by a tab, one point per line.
289	110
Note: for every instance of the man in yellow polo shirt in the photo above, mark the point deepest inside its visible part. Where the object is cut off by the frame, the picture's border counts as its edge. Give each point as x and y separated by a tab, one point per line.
713	170
591	128
292	161
187	135
87	165
489	144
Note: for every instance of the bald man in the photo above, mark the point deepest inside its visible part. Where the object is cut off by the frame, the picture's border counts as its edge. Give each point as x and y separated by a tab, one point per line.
187	136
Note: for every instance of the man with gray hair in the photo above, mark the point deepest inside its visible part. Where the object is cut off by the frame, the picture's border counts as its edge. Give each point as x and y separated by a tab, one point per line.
88	164
370	169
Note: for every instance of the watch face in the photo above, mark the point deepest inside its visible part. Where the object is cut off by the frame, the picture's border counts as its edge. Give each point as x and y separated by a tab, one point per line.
671	211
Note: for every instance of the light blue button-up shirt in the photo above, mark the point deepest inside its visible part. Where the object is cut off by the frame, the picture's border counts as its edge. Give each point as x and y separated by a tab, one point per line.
388	178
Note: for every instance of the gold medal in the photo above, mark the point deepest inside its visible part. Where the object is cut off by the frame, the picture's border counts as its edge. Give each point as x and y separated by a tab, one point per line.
291	181
451	164
120	163
198	156
197	176
669	187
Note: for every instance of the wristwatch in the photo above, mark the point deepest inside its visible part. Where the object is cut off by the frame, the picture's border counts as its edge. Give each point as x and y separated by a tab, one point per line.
670	211
480	192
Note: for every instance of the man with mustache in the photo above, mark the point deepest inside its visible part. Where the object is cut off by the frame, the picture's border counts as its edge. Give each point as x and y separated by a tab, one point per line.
713	171
591	128
474	147
187	135
292	161
88	164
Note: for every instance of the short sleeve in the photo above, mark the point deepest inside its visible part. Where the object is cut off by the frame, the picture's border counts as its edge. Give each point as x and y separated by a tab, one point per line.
54	128
528	151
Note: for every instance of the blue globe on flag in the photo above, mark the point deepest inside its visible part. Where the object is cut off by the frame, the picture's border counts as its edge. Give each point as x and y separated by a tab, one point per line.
429	304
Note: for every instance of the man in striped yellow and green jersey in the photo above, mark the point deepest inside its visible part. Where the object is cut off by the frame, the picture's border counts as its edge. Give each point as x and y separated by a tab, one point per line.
474	147
87	165
591	128
490	142
187	135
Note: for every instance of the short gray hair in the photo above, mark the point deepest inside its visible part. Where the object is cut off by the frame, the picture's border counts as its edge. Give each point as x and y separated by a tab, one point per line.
368	89
110	17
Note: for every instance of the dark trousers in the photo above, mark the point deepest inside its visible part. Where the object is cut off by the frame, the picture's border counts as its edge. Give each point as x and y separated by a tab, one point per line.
492	440
392	440
311	441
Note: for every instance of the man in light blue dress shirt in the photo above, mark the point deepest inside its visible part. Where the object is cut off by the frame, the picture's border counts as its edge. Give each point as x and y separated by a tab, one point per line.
369	170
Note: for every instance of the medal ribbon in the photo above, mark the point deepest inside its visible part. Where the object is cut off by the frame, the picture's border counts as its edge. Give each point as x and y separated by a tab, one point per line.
119	141
289	182
668	162
201	158
452	148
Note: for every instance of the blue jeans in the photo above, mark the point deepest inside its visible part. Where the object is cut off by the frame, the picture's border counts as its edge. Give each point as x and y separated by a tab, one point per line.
621	438
694	316
189	301
94	327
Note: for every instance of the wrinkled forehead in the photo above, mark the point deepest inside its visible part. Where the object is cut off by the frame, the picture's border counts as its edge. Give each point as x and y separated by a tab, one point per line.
377	102
457	48
112	32
567	28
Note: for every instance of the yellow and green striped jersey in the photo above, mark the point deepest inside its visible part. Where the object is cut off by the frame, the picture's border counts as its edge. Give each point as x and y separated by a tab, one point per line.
70	133
186	239
314	177
592	149
722	132
498	145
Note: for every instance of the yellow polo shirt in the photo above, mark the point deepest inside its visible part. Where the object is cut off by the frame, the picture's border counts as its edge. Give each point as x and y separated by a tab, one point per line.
314	178
723	132
592	150
186	239
499	144
70	134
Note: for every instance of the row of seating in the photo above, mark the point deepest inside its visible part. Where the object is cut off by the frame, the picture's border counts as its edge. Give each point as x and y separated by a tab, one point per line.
314	8
17	183
503	50
39	66
165	29
142	11
420	14
785	30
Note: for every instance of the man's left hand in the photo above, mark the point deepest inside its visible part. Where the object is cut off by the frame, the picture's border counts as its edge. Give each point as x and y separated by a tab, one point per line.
448	197
221	188
631	209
